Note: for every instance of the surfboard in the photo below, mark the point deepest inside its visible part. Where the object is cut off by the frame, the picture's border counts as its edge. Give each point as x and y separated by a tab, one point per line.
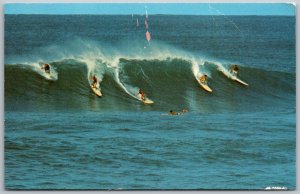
49	76
146	101
204	86
234	78
96	90
239	81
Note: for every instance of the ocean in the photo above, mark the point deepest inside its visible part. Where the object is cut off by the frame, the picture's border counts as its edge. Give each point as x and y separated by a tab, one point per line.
60	135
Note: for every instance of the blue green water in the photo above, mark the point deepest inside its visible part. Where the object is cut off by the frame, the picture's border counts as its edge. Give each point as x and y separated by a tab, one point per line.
59	135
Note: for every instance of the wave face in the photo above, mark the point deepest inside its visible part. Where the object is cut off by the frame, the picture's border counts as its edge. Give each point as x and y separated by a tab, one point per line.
115	49
169	82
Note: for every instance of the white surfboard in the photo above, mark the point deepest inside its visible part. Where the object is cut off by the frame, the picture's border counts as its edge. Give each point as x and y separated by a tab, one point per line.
97	90
49	76
239	81
204	86
146	101
234	77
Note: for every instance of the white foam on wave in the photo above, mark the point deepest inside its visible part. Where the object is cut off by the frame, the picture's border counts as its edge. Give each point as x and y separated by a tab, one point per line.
223	69
199	70
130	90
100	57
160	52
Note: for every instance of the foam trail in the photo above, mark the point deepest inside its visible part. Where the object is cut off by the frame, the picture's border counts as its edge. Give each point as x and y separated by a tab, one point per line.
224	70
197	72
195	69
93	68
132	89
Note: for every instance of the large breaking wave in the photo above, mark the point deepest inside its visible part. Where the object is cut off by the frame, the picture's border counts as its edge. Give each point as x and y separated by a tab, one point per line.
166	74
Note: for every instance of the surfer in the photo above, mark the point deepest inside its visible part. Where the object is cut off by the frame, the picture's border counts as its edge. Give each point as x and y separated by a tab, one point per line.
173	113
185	110
46	67
203	79
234	69
95	80
142	93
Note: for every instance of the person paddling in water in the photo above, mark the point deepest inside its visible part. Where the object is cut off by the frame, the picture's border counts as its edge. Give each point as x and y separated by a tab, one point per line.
234	69
173	113
142	93
185	110
203	79
46	67
95	81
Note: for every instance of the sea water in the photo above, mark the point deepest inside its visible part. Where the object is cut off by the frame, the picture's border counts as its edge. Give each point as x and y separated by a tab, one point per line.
59	135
